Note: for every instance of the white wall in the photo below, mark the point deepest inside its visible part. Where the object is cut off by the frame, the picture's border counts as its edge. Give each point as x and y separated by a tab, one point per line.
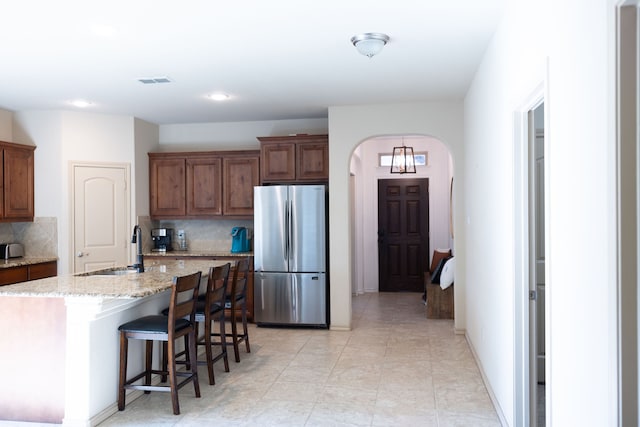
348	127
574	69
147	137
368	173
232	136
44	130
6	125
62	137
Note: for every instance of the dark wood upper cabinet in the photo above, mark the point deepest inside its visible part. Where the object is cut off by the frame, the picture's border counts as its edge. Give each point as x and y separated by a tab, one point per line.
202	184
17	182
312	161
298	158
167	186
241	174
278	161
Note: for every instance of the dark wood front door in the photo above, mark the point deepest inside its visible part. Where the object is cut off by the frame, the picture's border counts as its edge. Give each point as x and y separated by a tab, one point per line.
403	234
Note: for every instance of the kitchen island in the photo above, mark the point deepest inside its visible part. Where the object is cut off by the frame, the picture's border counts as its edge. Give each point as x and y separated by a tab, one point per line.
61	345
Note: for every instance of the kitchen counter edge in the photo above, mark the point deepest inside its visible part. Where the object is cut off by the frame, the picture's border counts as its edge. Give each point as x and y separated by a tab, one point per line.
158	277
19	262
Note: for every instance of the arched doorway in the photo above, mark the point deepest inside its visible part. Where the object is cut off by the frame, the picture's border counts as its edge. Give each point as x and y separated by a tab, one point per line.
366	171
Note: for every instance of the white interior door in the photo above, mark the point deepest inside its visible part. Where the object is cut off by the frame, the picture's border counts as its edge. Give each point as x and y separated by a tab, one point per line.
100	216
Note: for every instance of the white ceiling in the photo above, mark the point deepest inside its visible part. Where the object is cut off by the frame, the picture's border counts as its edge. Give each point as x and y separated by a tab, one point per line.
278	59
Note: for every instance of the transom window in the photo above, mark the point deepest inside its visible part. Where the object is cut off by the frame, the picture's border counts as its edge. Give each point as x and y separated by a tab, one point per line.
384	160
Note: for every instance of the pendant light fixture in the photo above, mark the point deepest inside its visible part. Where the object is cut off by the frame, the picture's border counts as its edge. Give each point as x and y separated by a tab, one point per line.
403	160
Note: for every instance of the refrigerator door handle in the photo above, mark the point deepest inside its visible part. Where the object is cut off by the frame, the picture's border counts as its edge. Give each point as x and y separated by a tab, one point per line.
262	305
286	231
291	231
294	299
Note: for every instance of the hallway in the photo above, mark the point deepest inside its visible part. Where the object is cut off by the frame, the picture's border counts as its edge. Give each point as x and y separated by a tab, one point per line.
394	368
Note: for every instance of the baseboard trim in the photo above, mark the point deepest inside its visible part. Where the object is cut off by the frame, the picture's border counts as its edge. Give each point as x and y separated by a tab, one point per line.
492	396
130	396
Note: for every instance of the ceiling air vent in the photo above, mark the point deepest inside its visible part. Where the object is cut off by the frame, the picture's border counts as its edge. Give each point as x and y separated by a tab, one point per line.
154	80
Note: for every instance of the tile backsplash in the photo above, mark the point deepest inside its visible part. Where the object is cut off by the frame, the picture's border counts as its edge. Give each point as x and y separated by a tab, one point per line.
201	235
40	237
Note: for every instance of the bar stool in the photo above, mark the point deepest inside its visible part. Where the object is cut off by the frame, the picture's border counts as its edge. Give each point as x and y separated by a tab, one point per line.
214	311
209	309
237	301
179	323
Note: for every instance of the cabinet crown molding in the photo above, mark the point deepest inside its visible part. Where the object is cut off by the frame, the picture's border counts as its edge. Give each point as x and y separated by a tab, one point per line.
192	154
6	144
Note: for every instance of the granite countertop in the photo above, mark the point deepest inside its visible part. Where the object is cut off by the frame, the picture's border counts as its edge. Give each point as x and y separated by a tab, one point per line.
19	262
197	253
158	277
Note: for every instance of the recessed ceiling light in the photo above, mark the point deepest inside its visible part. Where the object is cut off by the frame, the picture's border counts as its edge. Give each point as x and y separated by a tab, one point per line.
81	103
219	96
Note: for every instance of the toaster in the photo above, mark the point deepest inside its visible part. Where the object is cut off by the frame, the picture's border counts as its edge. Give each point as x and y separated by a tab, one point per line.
11	250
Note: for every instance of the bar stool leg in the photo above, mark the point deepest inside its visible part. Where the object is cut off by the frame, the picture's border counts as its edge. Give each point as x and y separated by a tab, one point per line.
163	377
148	359
122	378
208	352
244	325
194	366
172	377
234	333
223	344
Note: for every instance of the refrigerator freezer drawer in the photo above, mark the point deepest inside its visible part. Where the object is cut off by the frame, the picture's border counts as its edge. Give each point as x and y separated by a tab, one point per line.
290	299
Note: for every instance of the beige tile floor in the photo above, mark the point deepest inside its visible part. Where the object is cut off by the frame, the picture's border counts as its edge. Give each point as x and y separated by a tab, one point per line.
394	368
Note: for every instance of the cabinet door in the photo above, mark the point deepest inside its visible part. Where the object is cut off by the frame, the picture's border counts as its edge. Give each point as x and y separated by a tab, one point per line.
240	175
42	270
278	162
18	184
12	275
312	161
167	187
204	186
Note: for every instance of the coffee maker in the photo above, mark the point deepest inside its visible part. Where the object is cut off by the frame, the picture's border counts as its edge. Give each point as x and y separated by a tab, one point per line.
161	238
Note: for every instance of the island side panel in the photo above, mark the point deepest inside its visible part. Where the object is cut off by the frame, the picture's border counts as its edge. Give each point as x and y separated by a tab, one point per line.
93	350
33	371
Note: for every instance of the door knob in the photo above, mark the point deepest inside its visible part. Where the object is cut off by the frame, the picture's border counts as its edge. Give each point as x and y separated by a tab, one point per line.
80	254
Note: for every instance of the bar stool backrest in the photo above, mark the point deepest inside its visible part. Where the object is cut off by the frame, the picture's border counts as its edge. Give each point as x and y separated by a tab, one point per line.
184	294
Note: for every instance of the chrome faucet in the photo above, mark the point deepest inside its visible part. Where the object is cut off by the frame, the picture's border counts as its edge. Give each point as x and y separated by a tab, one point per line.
137	238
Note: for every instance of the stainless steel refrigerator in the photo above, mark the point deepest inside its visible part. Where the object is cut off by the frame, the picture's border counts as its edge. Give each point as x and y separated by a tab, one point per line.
290	255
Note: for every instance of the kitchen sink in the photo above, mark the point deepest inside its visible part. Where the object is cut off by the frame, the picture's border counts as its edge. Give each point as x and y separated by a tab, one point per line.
110	272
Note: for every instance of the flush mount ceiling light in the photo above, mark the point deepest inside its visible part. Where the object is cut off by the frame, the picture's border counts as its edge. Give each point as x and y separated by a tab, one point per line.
369	44
218	96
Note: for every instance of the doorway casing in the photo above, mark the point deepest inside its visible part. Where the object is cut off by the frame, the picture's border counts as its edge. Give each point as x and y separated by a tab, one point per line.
523	259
